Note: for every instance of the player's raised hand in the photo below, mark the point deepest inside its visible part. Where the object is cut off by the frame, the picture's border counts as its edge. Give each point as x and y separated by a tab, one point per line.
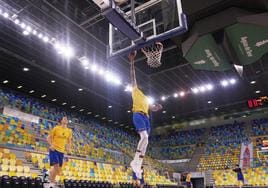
132	56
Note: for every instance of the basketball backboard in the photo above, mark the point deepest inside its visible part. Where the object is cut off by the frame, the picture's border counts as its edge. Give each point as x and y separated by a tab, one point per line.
157	20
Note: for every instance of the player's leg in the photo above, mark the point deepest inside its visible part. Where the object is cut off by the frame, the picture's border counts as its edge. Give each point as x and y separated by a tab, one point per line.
56	161
140	125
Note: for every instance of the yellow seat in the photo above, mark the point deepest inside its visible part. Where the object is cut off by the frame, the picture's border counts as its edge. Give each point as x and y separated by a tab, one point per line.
4	168
20	169
26	169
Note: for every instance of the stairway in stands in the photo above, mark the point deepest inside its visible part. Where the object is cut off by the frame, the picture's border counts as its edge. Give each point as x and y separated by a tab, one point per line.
210	181
199	151
20	155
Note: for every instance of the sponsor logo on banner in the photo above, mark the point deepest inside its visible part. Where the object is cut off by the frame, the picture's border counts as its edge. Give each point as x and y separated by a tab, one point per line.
206	54
250	42
248	50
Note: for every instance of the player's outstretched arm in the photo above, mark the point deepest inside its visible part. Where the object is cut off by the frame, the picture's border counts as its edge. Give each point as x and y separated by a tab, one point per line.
131	58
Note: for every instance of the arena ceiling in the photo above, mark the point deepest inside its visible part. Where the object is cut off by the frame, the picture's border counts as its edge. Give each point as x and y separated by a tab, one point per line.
80	23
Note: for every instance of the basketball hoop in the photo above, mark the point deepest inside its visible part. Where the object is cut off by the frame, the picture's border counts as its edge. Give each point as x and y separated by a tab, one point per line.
153	54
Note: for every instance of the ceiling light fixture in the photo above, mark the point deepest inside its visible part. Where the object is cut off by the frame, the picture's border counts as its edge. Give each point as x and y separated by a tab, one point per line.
32	91
175	95
25	69
19	87
182	94
128	88
163	98
232	81
150	100
43	96
195	90
64	103
72	107
224	83
258	91
52	81
209	87
53	100
6	15
25	33
5	81
253	82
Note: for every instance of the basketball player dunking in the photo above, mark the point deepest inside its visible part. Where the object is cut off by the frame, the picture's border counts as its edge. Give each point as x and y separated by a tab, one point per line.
140	119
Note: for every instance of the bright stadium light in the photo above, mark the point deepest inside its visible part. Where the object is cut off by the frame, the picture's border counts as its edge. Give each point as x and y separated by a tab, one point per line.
25	69
117	81
253	82
163	98
65	51
209	87
29	29
17	21
128	88
110	77
40	35
182	94
232	81
34	32
94	68
22	25
175	95
6	15
150	100
25	33
202	88
45	39
195	90
224	83
100	71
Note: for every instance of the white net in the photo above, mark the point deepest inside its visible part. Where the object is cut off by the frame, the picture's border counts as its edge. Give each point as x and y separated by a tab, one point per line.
153	54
